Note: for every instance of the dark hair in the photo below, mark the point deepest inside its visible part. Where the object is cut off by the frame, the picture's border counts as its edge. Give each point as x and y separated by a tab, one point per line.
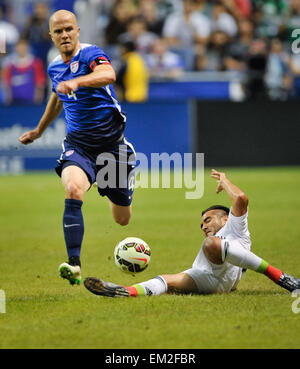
128	44
217	207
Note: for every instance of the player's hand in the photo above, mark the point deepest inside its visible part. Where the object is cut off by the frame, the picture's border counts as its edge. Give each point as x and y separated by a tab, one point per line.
67	87
29	137
220	177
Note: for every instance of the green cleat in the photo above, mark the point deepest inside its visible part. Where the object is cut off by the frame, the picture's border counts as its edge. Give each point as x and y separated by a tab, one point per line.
71	273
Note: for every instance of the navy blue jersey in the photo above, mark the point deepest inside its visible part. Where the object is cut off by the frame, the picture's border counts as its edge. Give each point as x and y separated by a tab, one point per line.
93	115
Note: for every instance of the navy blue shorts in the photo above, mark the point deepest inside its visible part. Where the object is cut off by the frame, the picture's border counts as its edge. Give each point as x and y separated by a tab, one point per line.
112	168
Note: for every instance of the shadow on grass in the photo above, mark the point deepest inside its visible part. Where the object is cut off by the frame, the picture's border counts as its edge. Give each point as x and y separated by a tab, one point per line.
260	292
246	292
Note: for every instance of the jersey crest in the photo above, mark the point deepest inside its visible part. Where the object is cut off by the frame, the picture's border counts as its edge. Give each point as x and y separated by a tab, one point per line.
74	66
69	153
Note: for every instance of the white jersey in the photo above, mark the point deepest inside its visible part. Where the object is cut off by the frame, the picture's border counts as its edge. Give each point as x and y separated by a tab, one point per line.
212	278
236	228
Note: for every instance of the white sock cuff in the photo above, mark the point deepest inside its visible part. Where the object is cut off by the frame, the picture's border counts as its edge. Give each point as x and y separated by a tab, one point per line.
224	248
163	281
236	254
155	286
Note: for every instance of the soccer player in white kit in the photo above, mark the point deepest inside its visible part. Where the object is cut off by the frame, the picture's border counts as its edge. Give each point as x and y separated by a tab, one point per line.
223	258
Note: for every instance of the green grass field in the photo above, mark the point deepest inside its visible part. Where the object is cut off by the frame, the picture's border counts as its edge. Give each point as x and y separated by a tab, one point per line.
43	311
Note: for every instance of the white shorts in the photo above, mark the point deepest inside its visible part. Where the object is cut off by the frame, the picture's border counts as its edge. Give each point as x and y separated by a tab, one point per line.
214	278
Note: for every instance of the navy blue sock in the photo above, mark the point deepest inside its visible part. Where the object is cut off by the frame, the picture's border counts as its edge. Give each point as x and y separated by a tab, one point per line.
73	228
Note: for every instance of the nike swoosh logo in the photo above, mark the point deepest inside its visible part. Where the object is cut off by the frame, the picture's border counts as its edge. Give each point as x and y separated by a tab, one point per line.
143	259
70	225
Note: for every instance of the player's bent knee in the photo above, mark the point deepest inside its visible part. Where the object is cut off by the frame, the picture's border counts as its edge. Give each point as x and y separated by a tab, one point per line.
121	214
212	249
208	244
73	191
122	220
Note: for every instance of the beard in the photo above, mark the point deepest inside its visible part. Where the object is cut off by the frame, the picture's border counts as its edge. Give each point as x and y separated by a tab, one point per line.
68	51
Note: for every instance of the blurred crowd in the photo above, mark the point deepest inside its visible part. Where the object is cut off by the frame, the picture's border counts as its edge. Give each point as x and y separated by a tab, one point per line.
159	39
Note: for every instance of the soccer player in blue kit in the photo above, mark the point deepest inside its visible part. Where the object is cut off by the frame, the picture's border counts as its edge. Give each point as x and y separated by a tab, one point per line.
82	78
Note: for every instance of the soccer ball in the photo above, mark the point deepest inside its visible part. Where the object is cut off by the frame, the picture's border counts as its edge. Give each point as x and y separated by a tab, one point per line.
132	255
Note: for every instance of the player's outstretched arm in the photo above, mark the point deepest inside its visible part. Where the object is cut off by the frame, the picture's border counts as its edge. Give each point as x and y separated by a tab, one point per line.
237	196
52	111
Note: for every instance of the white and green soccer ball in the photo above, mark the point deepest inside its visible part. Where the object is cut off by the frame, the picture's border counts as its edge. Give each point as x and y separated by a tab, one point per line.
132	255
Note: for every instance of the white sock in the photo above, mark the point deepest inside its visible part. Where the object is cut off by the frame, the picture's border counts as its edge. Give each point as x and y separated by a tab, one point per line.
155	286
239	256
